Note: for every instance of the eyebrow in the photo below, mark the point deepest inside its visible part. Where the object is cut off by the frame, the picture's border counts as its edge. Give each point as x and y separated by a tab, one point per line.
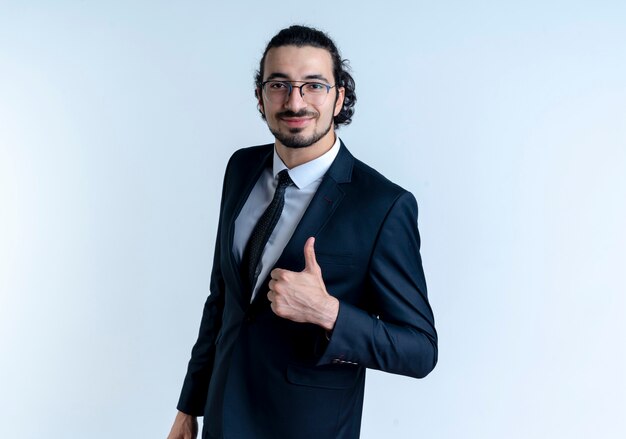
279	75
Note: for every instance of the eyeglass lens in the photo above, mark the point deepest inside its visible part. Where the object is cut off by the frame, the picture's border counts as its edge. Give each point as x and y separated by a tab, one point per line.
311	92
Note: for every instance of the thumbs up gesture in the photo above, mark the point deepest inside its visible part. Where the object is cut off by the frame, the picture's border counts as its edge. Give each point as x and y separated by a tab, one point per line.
302	296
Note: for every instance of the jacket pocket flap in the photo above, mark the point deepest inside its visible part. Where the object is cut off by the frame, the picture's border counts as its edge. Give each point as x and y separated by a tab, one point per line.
326	378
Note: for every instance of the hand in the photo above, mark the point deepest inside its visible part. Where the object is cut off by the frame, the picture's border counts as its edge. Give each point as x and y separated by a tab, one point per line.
302	296
185	427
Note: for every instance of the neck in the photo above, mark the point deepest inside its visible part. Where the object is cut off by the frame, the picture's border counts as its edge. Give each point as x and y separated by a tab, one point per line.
293	157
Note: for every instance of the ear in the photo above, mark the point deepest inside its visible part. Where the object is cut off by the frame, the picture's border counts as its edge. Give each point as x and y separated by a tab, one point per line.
259	98
341	95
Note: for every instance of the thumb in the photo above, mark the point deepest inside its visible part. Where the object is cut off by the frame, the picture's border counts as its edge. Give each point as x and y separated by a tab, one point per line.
310	263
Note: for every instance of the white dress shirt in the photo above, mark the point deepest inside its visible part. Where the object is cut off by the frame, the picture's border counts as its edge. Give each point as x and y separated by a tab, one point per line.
306	178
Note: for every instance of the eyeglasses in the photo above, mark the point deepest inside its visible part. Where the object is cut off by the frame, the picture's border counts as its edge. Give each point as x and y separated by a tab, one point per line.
313	93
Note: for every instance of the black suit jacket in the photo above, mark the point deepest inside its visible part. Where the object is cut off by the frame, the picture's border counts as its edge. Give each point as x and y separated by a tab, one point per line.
255	375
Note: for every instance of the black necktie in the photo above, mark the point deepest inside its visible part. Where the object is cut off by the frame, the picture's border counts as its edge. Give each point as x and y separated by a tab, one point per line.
262	231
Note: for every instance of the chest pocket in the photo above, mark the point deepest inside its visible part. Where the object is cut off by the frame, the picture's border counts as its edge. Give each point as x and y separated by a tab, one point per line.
335	258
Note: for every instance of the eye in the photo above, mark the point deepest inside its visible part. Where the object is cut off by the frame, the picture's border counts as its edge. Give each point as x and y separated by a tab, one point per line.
314	87
277	85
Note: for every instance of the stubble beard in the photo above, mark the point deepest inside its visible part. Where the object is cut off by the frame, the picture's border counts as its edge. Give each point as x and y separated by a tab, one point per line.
295	140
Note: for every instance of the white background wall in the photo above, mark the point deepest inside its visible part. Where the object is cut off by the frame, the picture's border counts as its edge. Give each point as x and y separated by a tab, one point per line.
507	120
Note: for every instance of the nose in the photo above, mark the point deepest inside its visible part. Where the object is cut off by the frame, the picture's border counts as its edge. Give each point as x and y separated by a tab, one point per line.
294	100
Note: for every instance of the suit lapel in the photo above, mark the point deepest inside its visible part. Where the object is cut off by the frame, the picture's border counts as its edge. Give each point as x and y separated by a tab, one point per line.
242	184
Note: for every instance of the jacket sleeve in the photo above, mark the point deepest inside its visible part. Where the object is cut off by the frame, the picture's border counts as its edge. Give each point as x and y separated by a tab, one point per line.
397	335
199	370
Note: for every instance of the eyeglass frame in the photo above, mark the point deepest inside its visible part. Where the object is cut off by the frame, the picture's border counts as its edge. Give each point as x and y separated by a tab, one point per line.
291	86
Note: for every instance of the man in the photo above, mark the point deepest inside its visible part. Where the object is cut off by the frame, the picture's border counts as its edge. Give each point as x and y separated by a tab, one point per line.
317	273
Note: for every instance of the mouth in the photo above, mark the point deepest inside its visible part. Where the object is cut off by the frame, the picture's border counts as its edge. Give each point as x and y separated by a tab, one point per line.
296	122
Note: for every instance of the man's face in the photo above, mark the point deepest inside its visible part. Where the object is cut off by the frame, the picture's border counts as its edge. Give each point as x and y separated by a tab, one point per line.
295	122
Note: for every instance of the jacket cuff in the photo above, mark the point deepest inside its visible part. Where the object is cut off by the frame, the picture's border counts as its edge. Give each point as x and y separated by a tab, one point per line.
337	347
192	401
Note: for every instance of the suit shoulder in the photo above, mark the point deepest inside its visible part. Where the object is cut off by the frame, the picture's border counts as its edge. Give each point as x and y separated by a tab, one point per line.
374	182
253	150
249	155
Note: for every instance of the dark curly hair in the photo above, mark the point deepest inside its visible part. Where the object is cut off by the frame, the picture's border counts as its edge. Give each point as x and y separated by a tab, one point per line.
307	36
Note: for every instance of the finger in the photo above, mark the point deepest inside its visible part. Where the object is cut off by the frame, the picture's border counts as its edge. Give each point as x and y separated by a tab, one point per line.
310	263
275	273
273	308
270	295
274	287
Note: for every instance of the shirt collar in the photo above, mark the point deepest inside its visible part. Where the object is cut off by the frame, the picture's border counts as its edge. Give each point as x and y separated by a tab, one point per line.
306	173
